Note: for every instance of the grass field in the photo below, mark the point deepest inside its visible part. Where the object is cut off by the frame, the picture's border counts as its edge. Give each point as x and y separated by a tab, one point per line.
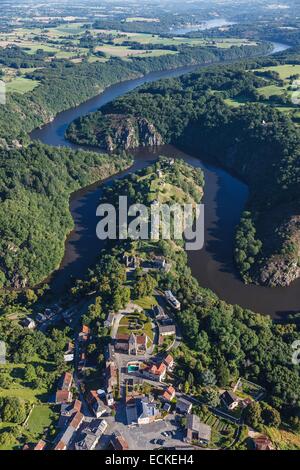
124	51
147	302
145	38
270	90
285	71
41	417
21	85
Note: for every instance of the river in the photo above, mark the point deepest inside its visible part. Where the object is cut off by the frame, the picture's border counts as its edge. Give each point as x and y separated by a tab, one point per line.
209	24
225	198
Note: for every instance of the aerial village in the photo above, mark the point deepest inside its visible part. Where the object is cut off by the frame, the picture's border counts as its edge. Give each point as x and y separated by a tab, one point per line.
141	403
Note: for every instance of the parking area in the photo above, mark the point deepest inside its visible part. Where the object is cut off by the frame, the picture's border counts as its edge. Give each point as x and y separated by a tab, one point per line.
140	437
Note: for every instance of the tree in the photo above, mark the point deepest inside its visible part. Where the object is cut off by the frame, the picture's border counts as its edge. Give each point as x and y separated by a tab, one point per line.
13	410
208	377
190	379
121	297
31	297
223	376
211	397
270	416
252	415
144	286
5	380
30	373
7	439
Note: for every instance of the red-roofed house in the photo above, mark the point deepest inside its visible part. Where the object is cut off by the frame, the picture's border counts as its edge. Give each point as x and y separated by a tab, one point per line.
67	412
60	446
40	445
77	405
169	394
77	420
263	443
169	361
67	381
63	396
156	372
96	405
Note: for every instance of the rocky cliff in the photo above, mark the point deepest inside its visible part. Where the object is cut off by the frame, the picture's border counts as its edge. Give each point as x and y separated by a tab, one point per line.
281	238
115	132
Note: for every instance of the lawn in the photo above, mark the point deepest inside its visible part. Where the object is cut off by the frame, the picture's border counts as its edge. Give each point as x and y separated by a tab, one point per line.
145	326
21	85
147	303
41	417
31	47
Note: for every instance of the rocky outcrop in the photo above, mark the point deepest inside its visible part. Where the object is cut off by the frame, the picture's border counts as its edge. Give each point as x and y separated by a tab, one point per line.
281	241
113	132
126	132
279	272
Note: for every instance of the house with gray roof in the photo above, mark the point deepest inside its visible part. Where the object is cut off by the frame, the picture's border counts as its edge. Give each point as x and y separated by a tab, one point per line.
196	431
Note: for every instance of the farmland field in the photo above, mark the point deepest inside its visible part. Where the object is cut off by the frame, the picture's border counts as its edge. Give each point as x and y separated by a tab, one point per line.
124	51
284	71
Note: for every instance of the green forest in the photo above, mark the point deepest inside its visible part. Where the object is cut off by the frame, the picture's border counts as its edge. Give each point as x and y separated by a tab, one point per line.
36	183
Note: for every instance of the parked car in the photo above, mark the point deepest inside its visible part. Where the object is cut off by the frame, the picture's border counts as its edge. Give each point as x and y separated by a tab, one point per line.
160	442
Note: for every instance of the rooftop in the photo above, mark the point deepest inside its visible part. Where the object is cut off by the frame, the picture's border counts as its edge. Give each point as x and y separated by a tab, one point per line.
183	404
63	396
147	408
40	445
169	359
118	442
229	397
167	329
203	430
67	381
